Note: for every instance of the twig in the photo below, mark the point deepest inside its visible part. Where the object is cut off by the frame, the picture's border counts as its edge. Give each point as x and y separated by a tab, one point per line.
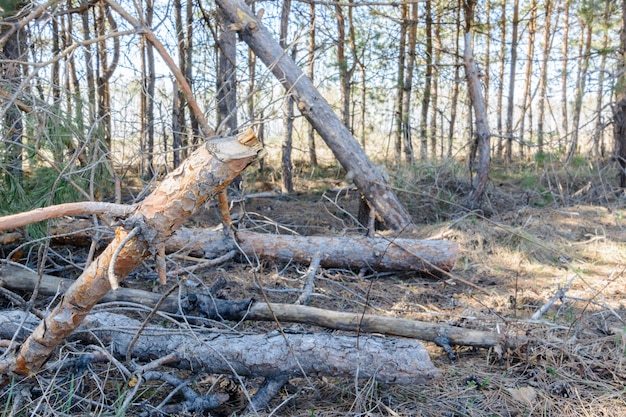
154	311
558	296
309	280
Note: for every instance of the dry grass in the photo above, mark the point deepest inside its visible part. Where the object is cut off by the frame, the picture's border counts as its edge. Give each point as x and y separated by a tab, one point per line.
542	230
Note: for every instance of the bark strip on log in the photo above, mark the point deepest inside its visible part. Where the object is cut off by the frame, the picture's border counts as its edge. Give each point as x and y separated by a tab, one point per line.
397	361
19	279
203	175
318	112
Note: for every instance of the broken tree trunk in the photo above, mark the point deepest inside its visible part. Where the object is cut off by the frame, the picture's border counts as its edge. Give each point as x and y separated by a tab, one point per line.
20	279
203	175
387	360
319	113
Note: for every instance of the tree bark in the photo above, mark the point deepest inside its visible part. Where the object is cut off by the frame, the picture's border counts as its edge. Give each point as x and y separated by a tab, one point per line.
319	113
387	360
202	176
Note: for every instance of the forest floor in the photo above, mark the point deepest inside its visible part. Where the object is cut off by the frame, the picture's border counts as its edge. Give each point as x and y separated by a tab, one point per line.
541	232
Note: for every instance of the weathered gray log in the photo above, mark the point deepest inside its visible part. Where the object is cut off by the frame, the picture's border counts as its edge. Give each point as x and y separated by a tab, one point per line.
19	279
319	113
388	360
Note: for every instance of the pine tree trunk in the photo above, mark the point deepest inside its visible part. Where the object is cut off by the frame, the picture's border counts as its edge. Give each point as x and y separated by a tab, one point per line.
287	106
400	84
511	99
499	105
427	76
586	32
564	74
530	58
311	74
226	77
619	108
598	145
455	85
482	133
543	76
408	86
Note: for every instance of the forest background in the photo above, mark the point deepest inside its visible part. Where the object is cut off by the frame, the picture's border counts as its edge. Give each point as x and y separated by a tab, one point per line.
99	101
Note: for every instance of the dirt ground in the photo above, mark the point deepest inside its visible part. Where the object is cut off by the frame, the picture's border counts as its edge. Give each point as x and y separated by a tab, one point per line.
561	236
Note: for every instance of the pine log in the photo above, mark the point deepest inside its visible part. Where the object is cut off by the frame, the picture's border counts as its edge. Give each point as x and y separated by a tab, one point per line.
20	279
203	175
319	113
387	360
351	252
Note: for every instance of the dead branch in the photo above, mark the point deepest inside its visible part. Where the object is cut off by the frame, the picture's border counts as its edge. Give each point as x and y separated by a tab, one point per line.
205	173
68	209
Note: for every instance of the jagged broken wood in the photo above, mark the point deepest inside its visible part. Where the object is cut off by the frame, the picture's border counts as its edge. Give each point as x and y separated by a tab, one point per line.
203	175
388	360
20	279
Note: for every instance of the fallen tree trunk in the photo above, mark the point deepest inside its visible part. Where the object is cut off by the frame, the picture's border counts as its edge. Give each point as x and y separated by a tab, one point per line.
398	361
352	252
19	279
318	112
207	172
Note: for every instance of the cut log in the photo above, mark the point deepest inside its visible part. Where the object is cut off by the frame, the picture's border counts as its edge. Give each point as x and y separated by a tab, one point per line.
318	112
20	279
207	172
388	360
